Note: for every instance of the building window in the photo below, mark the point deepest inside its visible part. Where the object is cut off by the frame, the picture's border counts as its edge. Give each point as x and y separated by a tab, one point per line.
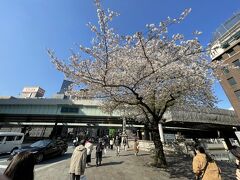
225	45
231	52
237	93
69	110
232	81
225	70
236	63
237	35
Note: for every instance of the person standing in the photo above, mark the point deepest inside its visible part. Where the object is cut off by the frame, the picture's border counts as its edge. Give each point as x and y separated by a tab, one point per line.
106	140
111	143
99	149
125	143
204	167
78	161
89	147
21	167
117	144
104	144
136	147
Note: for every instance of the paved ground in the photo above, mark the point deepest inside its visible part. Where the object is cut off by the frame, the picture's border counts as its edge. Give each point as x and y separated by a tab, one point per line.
181	167
125	167
130	167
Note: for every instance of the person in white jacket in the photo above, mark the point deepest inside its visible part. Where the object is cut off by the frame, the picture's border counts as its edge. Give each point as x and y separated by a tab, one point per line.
89	147
78	162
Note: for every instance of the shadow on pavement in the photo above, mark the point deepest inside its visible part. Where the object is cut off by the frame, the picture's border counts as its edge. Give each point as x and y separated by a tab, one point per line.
105	157
228	169
181	167
55	159
143	155
126	154
112	163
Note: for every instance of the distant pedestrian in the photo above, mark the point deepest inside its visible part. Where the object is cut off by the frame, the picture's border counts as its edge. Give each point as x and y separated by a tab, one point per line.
136	147
107	142
89	147
99	149
78	161
111	143
104	144
204	167
21	167
117	144
125	143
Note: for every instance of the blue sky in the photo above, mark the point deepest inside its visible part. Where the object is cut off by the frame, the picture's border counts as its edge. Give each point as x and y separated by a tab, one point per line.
29	27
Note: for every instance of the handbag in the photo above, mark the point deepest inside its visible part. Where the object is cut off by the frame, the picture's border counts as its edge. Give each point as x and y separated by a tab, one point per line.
83	177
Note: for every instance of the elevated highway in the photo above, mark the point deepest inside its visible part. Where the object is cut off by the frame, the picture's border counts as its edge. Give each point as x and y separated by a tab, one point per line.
39	112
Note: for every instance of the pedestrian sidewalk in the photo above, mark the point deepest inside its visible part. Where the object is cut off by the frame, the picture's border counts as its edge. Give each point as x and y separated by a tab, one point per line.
127	166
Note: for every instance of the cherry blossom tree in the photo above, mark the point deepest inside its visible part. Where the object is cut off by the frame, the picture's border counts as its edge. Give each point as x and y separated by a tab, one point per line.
146	73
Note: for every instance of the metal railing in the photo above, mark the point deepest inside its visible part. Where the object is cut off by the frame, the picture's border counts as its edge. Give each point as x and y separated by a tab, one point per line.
225	27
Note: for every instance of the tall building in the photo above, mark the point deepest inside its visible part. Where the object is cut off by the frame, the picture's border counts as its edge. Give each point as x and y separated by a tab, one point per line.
32	92
225	47
65	85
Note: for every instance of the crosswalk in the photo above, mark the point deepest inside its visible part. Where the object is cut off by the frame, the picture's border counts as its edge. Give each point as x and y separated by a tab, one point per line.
3	164
2	168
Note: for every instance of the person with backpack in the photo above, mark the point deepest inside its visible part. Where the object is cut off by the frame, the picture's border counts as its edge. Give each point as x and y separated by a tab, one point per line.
204	167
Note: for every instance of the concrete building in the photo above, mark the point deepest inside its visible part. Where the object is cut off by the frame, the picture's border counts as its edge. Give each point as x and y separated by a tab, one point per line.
65	85
32	92
225	47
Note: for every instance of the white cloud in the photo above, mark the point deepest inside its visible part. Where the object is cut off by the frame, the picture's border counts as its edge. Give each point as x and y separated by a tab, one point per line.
231	108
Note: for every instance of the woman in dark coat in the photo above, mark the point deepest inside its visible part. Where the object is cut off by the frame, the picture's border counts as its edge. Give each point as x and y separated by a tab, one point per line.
99	149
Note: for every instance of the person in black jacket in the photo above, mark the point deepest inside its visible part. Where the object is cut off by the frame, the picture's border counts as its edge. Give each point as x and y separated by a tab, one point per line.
99	149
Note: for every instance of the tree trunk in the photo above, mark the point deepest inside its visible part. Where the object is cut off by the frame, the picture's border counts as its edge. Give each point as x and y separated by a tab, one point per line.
159	157
146	133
